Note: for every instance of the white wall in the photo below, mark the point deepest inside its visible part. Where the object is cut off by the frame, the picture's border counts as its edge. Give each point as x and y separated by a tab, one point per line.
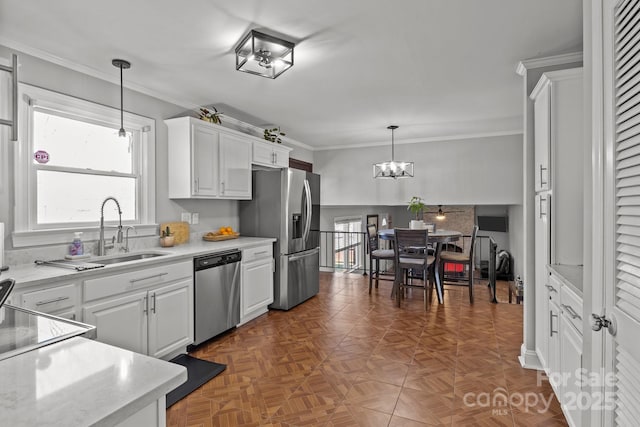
465	172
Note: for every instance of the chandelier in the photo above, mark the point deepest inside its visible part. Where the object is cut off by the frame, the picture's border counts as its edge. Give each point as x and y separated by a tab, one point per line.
392	168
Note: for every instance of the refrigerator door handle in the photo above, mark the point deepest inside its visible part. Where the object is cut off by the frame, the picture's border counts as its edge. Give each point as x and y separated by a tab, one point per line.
307	221
304	254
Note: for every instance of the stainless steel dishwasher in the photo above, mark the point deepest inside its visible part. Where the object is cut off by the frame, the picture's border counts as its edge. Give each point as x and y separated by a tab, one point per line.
216	294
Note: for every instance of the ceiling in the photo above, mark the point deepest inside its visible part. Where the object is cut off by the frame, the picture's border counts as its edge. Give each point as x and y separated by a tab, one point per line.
436	68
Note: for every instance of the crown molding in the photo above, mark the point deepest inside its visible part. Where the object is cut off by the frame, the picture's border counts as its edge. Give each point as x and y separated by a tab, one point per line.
425	139
548	61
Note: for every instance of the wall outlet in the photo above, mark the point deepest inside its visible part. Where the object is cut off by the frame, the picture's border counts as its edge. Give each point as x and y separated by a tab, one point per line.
186	217
195	218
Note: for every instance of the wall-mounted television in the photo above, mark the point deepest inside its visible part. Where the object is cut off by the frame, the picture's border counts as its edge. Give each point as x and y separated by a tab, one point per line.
493	223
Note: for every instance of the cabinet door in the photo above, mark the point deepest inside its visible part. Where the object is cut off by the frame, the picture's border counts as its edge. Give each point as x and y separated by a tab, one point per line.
235	167
571	364
554	347
121	321
170	318
205	160
280	157
542	138
263	154
541	279
257	287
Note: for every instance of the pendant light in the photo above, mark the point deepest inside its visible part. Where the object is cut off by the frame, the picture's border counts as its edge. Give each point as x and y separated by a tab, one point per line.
123	65
393	169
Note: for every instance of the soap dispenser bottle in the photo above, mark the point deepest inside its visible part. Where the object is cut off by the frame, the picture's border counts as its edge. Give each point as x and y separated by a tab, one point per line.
77	247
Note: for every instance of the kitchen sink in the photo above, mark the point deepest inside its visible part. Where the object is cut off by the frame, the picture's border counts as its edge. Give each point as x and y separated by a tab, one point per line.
126	258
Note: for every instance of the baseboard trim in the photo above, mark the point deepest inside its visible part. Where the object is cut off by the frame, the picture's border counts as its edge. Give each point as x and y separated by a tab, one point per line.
529	359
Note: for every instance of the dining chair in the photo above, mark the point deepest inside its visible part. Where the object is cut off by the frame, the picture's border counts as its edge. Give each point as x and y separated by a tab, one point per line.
464	259
375	255
411	255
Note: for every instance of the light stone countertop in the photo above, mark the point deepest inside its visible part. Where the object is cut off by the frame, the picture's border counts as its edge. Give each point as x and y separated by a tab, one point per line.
81	382
27	275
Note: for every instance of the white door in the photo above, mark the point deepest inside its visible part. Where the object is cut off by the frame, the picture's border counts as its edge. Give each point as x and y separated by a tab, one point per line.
170	318
235	166
619	215
121	322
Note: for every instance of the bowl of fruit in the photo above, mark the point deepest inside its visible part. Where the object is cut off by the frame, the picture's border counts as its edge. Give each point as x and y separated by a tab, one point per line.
223	233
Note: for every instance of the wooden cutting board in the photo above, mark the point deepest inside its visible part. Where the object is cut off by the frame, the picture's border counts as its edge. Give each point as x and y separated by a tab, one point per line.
180	231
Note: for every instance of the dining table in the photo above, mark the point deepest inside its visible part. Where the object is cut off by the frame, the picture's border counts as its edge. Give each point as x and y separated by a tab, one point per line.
439	237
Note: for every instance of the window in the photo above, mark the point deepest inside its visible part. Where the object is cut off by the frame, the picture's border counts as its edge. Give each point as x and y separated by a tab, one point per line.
70	159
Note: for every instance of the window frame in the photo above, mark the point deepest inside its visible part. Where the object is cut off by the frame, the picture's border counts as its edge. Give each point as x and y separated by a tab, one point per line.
27	231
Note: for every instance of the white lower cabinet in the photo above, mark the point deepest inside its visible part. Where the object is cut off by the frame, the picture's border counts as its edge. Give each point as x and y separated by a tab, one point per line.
256	292
564	344
61	300
148	311
154	322
121	321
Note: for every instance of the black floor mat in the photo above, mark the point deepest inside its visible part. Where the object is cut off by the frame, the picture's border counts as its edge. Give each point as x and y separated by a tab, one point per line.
198	371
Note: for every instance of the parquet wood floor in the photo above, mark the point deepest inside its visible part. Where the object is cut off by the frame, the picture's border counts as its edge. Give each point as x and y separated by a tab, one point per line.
347	358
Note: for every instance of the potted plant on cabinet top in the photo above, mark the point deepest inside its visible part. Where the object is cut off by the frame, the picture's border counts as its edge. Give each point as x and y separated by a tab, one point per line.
416	206
273	135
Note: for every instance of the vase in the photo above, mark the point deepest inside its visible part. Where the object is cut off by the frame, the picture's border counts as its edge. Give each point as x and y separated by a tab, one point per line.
417	224
166	242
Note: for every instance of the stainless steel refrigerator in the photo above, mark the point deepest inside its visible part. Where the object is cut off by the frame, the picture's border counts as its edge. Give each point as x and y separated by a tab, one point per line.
286	206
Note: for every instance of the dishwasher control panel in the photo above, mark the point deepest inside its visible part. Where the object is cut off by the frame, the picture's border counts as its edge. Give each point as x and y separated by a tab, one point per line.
214	260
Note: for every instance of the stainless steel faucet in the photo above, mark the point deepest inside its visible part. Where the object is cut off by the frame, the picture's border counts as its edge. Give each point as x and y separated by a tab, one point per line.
102	246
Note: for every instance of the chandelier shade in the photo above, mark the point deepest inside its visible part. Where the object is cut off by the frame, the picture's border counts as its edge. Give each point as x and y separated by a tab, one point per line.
264	55
392	168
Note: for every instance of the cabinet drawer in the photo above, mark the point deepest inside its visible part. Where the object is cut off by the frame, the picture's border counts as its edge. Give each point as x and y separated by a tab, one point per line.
50	300
554	286
138	279
259	252
571	307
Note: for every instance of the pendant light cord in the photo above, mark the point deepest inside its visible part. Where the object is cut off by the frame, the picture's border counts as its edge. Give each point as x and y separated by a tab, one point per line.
121	100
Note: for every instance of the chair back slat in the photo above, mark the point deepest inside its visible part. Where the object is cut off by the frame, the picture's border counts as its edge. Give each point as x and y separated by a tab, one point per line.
411	243
372	237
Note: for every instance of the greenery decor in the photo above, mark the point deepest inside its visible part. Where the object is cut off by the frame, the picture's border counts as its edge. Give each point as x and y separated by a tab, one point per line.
167	232
273	135
210	116
416	206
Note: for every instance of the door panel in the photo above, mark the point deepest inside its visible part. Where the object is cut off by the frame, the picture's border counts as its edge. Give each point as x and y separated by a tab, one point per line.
621	211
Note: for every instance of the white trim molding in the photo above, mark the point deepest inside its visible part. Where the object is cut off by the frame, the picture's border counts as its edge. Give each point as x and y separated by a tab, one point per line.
548	61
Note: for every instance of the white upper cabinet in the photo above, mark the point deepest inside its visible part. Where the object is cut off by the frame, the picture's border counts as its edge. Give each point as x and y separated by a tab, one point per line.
235	167
270	154
559	157
208	161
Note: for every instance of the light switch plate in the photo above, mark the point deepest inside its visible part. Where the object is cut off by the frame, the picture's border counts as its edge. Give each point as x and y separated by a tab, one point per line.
195	218
186	217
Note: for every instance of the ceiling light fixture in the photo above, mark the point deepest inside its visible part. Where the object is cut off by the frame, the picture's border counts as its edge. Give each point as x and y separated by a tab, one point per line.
393	169
264	55
123	65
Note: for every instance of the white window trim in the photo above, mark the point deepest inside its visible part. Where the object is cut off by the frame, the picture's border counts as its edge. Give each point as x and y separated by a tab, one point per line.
25	180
